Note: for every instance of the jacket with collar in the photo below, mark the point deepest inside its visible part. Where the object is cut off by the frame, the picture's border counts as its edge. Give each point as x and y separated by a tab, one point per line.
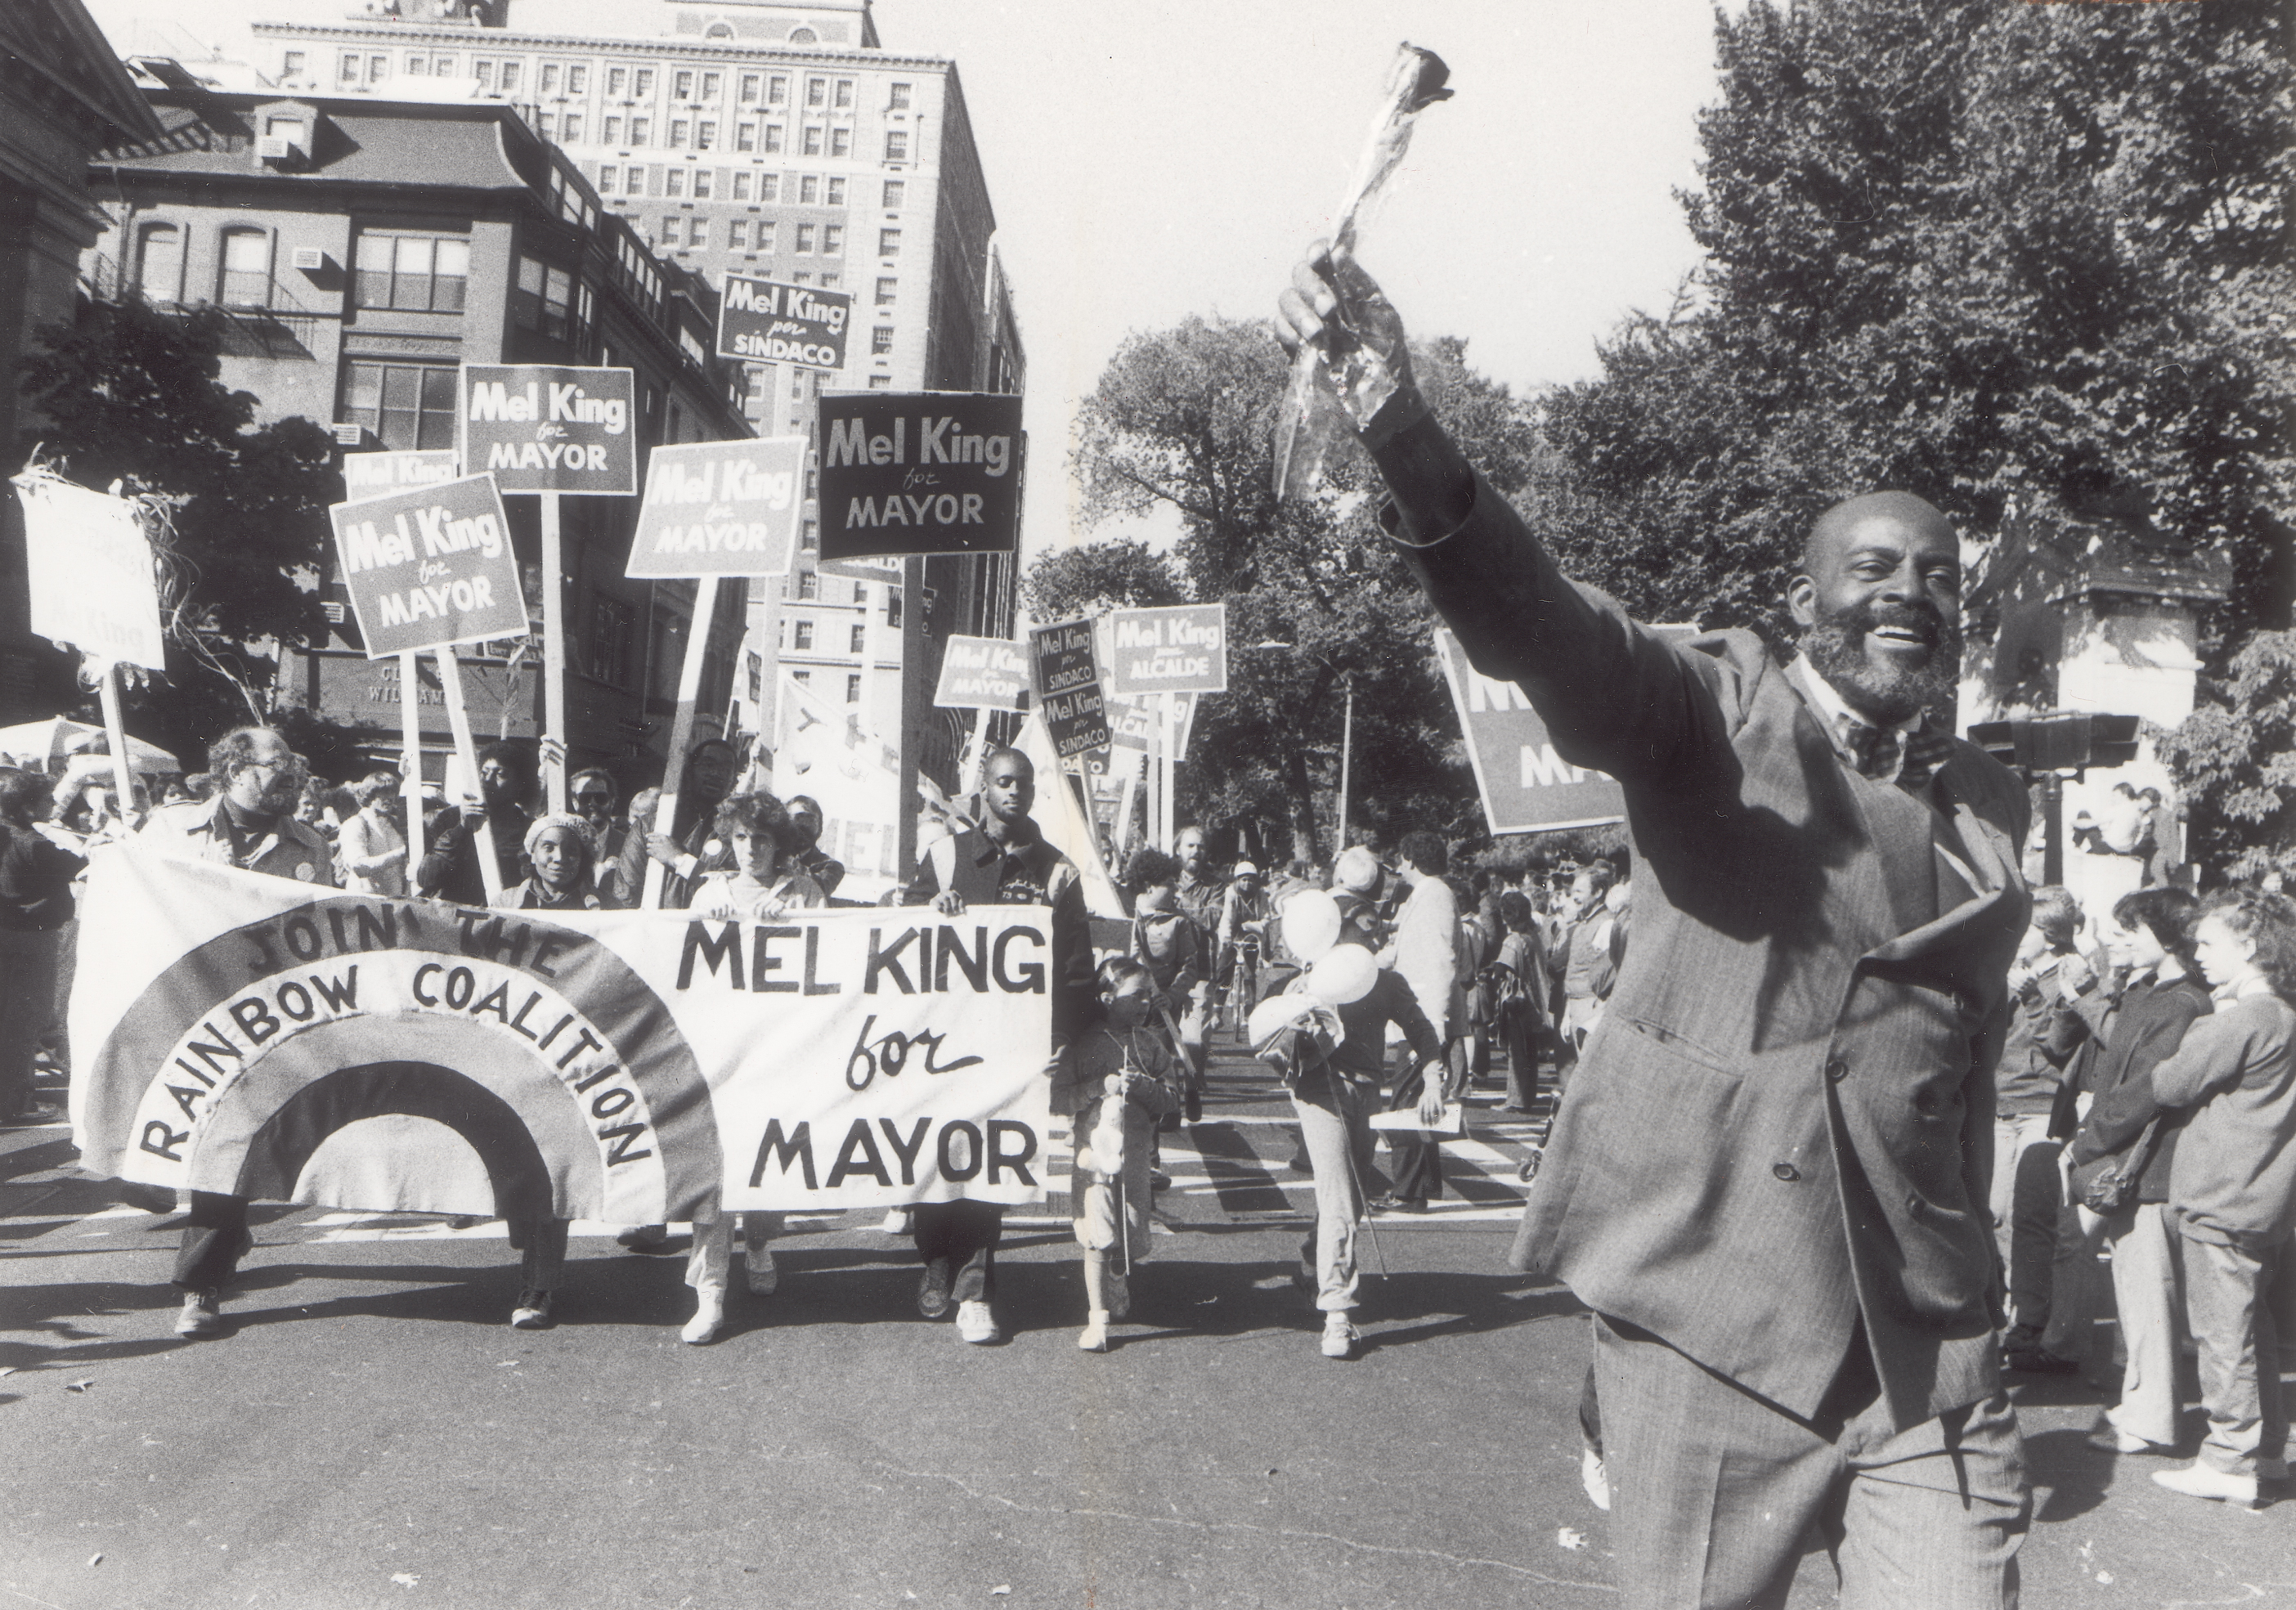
1781	1132
198	829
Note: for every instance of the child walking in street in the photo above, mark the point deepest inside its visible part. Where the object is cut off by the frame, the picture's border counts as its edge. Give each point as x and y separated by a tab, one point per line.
1119	1079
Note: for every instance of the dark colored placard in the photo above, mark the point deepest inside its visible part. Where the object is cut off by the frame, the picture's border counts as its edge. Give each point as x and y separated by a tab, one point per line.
767	322
430	566
920	473
550	428
1066	677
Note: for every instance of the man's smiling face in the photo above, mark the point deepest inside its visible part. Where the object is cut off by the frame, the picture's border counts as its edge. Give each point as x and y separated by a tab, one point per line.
1879	602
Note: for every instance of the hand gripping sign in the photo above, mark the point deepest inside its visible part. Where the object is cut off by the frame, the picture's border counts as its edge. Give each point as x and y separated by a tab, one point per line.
430	567
260	1039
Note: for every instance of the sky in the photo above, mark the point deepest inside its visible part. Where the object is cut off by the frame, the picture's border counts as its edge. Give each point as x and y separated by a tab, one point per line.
1170	157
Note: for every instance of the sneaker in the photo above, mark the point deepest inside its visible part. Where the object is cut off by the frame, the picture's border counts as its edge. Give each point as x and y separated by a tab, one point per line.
1093	1338
644	1238
1159	1181
1120	1296
2111	1439
2206	1482
976	1325
1595	1478
201	1316
896	1221
1339	1337
708	1319
532	1312
932	1292
765	1279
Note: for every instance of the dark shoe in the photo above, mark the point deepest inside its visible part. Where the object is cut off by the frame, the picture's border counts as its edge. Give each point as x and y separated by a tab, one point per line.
2038	1361
1159	1181
1300	1164
532	1312
201	1316
644	1238
1398	1204
933	1293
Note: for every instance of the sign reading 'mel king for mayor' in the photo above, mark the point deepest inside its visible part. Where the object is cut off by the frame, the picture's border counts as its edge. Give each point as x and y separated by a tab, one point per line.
720	508
548	428
430	566
920	473
766	322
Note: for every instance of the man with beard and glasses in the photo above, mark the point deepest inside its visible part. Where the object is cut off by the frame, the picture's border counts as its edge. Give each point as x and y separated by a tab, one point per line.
251	824
1769	1175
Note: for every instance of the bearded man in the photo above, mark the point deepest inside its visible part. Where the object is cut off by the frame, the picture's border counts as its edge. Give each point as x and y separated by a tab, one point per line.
1769	1178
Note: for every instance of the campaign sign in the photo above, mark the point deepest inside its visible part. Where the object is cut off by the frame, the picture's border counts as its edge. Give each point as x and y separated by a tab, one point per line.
766	322
720	508
261	1038
920	473
88	565
1178	650
1133	721
982	673
371	474
1527	787
1068	687
430	566
549	428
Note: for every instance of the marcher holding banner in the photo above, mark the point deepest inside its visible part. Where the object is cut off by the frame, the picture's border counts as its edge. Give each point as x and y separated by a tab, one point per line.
1004	861
36	902
251	826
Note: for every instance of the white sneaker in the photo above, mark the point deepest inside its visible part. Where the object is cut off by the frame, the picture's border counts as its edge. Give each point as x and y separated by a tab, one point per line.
976	1324
201	1316
2206	1482
896	1221
532	1312
765	1279
1093	1338
708	1317
1594	1479
1339	1337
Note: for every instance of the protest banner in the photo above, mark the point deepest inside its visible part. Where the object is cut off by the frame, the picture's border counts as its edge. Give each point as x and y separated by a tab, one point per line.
1182	649
762	321
1526	787
830	753
550	428
373	475
1066	684
920	473
430	566
982	673
257	1037
720	508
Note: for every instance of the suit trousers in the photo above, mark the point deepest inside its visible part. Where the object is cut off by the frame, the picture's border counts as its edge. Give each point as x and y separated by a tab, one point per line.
2228	1293
1715	1491
959	1239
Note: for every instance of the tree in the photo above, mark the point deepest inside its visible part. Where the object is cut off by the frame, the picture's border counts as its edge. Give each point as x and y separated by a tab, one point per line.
130	394
1092	577
2234	763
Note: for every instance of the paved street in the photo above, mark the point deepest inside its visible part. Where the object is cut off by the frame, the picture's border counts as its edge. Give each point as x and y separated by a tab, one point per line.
372	1433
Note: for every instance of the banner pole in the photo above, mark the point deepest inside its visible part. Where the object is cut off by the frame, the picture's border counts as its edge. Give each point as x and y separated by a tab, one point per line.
1164	750
553	655
410	756
115	729
458	720
681	729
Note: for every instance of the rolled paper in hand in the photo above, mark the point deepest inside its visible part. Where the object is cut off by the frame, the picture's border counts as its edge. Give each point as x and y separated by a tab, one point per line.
1311	414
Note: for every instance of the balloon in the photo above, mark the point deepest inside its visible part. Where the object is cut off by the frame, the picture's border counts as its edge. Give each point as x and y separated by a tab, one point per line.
1311	925
1276	1012
1344	976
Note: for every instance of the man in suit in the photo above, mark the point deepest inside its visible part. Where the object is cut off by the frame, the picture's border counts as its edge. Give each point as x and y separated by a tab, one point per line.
1768	1179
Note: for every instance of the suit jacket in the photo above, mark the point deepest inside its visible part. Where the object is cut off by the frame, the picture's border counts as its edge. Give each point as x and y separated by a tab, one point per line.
1781	1132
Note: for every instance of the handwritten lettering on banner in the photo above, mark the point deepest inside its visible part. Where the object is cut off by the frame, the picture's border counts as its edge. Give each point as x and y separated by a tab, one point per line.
250	1039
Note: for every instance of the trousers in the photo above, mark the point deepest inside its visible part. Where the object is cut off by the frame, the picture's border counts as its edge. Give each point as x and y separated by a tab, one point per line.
960	1238
1418	1164
1335	1129
541	1247
1714	1490
213	1243
2228	1293
711	1256
2023	1204
2148	1298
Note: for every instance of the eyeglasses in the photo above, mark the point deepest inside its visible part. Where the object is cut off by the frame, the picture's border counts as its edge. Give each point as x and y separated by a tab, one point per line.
593	799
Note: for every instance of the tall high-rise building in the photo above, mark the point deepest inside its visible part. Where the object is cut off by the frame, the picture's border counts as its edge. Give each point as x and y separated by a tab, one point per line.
785	140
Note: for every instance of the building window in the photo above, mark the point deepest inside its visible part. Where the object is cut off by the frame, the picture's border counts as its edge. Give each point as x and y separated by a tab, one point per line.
737	235
578	80
803	677
348	70
549	85
809	538
829	281
742	185
697	231
614	131
544	125
705	135
634	180
572	130
802	278
713	85
881	341
769	187
246	269
805	237
895	192
673	181
613	636
672	227
804	638
832	240
509	77
765	234
808	584
684	89
853	687
812	140
836	195
772	138
720	29
641	131
860	638
745	137
809	189
889	243
642	85
701	186
899	101
411	271
777	91
840	141
543	299
417	66
885	291
844	96
407	405
606	180
817	92
678	135
618	80
378	69
291	65
896	145
880	382
444	67
159	262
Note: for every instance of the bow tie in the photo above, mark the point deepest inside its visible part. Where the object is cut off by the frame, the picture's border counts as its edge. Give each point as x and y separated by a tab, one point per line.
1875	751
